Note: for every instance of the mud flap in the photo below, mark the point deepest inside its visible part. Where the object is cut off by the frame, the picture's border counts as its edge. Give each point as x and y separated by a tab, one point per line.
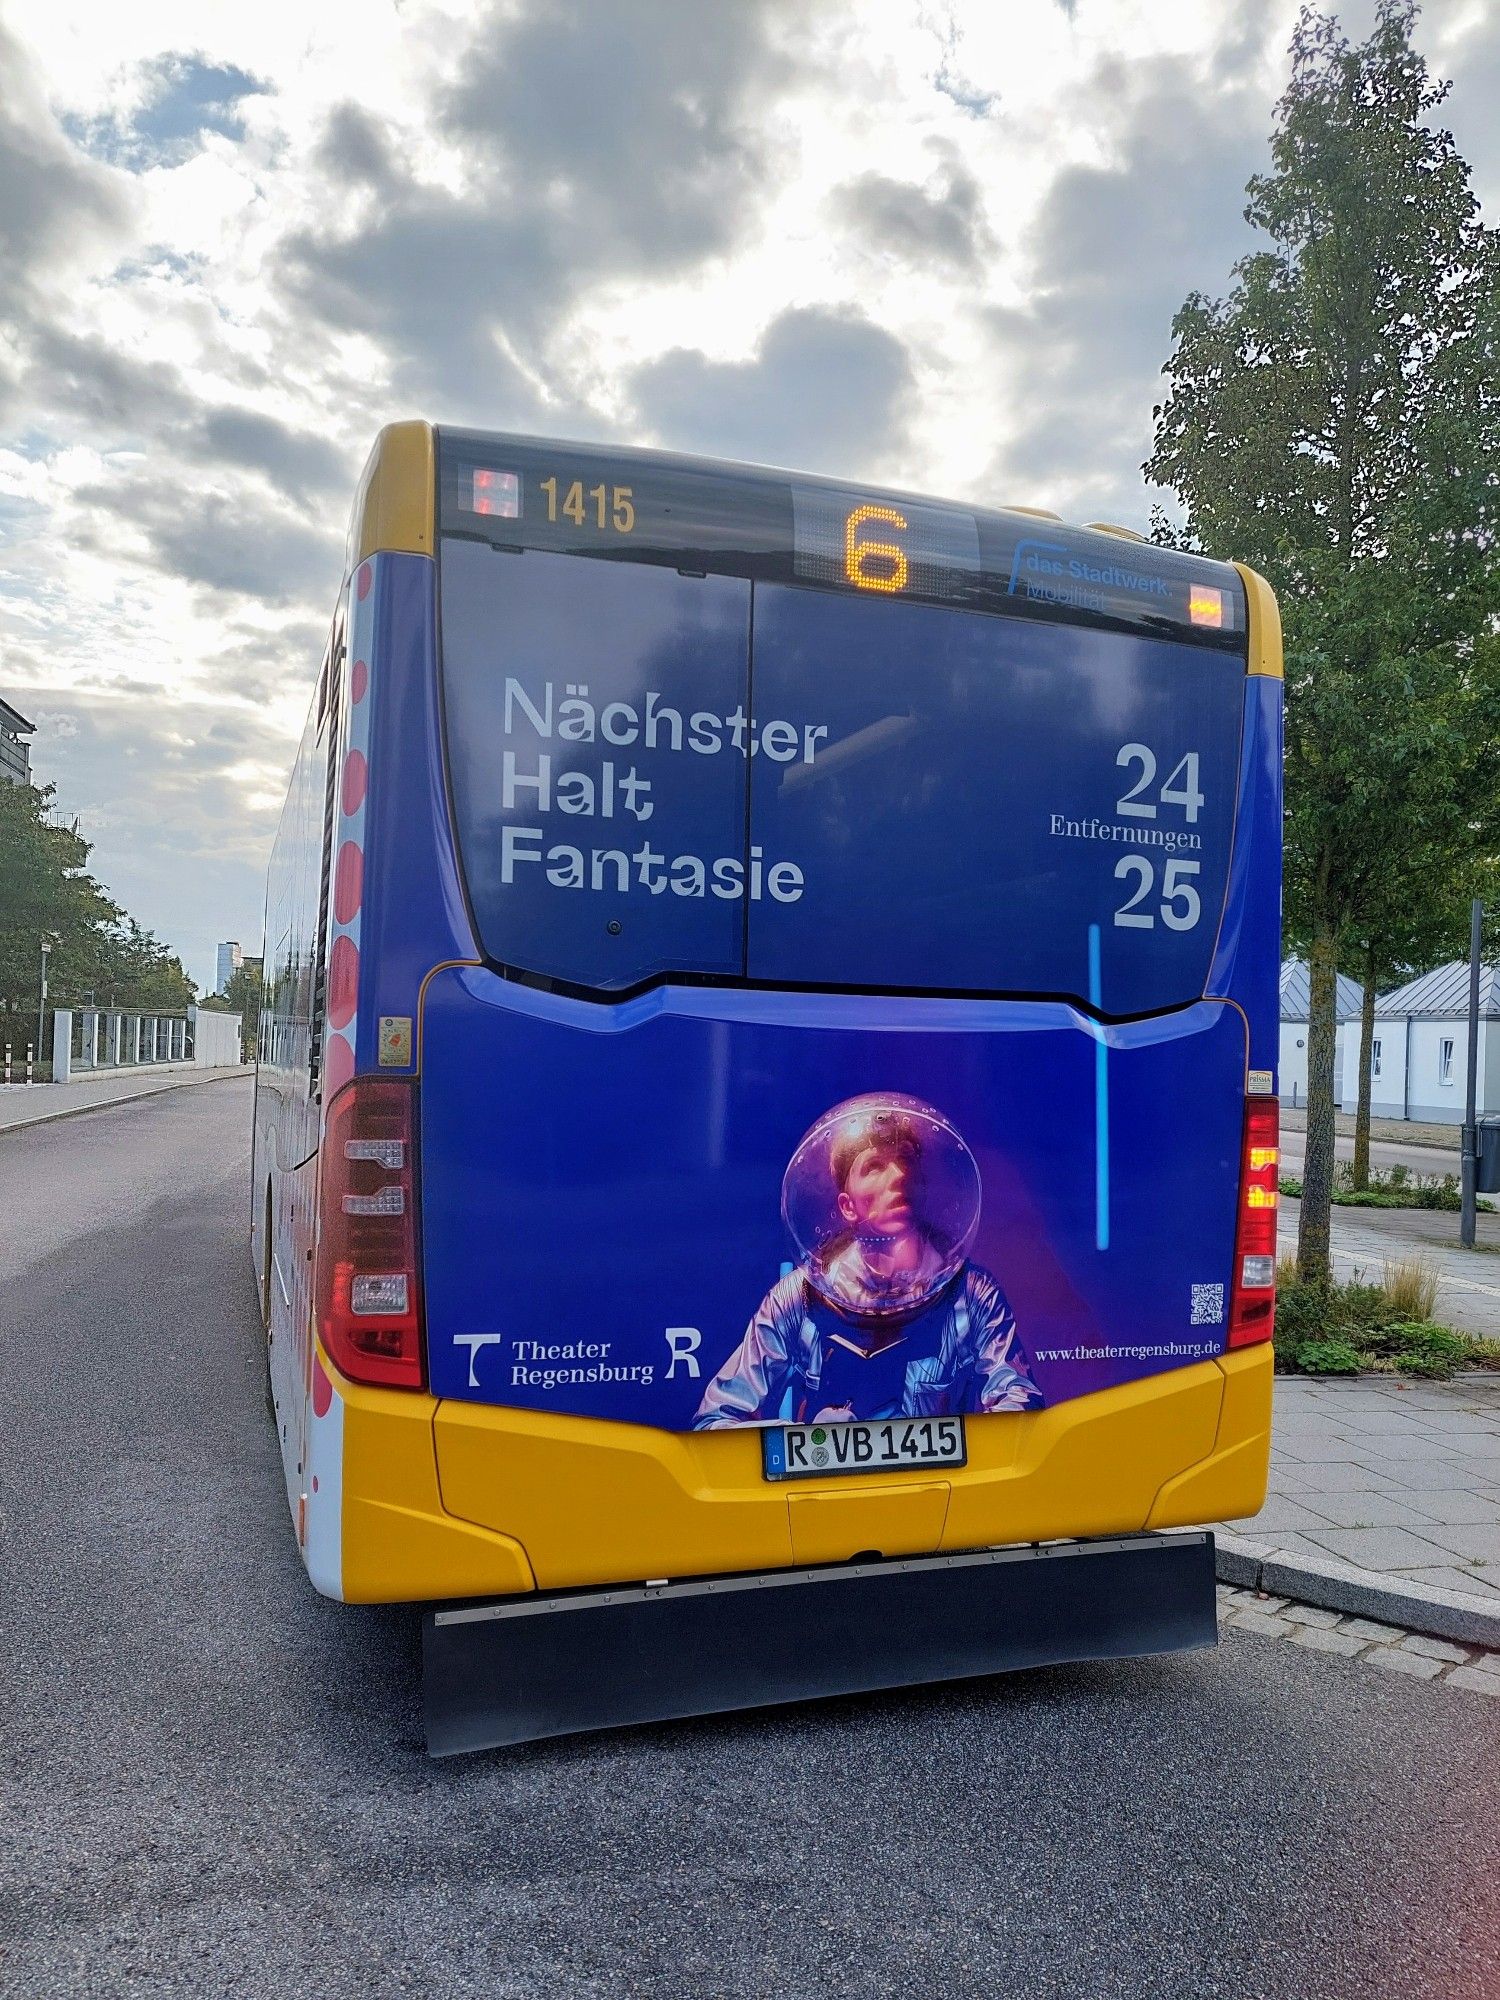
536	1667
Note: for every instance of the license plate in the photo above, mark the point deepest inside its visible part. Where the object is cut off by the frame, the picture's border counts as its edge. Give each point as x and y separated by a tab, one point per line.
814	1451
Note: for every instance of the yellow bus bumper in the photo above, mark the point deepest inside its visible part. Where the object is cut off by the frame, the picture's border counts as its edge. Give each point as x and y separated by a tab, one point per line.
450	1500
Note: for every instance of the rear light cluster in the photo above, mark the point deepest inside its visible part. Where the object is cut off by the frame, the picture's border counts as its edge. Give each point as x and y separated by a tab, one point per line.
369	1302
1252	1310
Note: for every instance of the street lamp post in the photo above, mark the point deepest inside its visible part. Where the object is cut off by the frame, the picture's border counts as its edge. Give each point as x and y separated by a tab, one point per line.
41	1011
1469	1158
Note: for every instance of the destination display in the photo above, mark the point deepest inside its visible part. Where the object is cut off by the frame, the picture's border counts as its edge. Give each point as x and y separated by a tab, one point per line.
693	515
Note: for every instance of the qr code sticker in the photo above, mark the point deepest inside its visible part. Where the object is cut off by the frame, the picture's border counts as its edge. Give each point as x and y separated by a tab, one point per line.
1208	1305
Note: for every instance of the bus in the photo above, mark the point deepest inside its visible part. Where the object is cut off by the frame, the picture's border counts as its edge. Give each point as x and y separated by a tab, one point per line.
765	1135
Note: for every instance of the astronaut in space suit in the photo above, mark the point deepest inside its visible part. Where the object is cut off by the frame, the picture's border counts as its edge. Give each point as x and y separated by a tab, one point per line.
885	1316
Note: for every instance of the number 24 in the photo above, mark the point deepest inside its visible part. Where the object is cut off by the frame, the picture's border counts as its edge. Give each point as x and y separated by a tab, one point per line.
1181	905
1187	795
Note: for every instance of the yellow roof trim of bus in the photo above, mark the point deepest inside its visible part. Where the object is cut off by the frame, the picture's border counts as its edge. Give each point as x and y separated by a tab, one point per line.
1265	624
1114	528
396	506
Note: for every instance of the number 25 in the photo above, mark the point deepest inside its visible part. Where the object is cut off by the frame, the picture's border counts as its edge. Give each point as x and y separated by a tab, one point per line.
1180	906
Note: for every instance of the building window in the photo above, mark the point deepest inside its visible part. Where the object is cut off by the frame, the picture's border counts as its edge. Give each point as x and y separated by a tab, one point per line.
1445	1059
1375	1057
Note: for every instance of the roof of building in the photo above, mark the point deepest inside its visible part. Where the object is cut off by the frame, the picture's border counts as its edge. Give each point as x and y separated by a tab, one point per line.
1443	994
1295	992
13	720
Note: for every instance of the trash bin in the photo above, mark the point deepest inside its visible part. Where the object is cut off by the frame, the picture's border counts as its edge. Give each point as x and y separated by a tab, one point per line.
1487	1162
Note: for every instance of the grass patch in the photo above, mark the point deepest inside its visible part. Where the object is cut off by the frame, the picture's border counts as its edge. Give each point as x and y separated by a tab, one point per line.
1384	1329
1410	1283
1393	1187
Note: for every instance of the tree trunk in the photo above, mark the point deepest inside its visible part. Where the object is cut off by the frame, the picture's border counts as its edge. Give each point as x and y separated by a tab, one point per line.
1360	1176
1317	1167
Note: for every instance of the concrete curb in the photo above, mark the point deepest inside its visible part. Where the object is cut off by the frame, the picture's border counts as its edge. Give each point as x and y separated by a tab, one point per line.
135	1097
1364	1593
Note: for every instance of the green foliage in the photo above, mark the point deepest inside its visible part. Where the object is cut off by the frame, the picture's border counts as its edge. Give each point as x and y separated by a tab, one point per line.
1331	420
1328	1357
1337	1329
1393	1187
1423	1347
99	954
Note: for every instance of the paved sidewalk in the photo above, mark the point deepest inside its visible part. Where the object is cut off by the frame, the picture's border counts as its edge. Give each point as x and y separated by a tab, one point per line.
1365	1238
1393	1483
20	1106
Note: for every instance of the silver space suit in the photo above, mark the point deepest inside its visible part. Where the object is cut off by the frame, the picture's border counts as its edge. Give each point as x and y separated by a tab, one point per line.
884	1316
801	1359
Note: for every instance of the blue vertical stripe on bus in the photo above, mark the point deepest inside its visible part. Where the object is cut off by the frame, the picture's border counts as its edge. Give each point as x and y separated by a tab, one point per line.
1101	1101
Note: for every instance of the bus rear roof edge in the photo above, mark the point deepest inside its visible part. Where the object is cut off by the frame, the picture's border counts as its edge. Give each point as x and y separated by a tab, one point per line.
395	508
1264	625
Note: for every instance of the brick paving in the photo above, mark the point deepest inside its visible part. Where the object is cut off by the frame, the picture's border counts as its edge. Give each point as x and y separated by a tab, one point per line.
1391	1648
1395	1478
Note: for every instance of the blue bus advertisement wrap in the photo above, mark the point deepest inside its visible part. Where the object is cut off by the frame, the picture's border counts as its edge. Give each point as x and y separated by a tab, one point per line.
750	862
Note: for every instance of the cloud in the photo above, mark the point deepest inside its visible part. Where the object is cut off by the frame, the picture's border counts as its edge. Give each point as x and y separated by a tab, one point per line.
445	285
636	122
222	540
124	401
355	150
180	801
594	142
56	207
1114	250
1466	47
821	393
942	224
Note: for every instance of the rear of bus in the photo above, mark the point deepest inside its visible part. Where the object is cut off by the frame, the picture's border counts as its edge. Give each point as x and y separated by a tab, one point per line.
803	1099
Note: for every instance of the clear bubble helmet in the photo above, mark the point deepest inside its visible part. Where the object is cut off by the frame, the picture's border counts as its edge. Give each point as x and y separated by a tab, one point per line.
882	1200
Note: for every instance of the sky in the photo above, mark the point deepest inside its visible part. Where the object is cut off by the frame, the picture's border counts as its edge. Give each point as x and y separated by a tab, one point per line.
933	245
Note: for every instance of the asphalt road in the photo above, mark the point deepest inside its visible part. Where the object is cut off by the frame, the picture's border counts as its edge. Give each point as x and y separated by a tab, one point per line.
1383	1153
213	1782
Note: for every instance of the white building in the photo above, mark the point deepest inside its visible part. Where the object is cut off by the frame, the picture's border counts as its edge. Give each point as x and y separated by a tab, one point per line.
1294	1012
1419	1065
231	958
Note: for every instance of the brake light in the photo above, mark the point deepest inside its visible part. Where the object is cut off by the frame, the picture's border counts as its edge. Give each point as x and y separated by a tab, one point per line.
1252	1308
368	1295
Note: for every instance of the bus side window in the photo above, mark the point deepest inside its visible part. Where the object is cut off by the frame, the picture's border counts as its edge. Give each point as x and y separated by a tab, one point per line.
330	730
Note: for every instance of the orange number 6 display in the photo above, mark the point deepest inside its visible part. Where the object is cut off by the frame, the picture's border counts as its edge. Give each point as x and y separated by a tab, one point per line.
858	555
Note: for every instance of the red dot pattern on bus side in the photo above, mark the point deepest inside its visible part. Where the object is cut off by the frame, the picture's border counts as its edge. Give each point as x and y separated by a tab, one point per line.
348	882
343	981
355	775
362	581
322	1393
359	680
339	1066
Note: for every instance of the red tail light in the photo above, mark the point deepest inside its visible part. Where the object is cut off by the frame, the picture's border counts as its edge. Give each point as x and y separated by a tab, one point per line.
368	1299
1252	1308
